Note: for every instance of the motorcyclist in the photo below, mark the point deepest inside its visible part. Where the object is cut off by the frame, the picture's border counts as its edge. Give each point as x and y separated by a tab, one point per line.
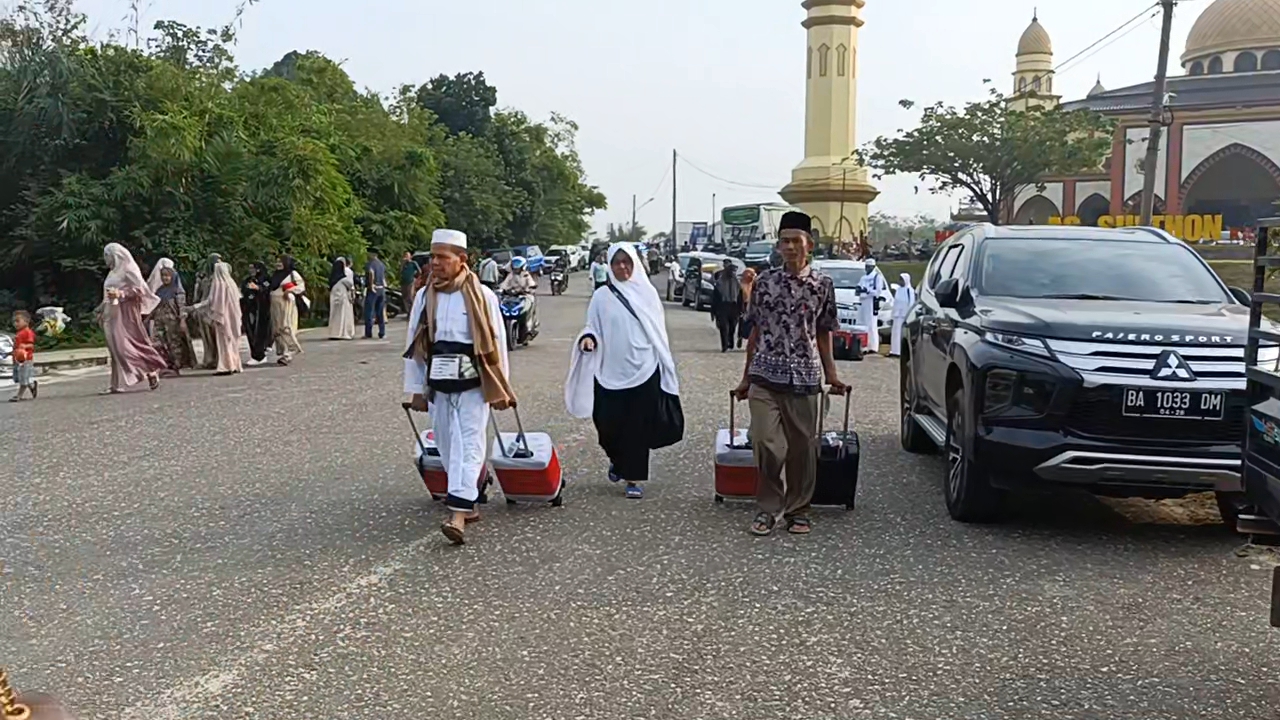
520	283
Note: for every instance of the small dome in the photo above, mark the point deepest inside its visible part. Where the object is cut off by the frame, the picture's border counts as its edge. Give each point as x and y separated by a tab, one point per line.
1098	89
1035	40
1228	25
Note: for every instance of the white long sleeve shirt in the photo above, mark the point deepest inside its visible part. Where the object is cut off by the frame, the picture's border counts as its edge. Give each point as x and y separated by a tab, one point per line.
453	324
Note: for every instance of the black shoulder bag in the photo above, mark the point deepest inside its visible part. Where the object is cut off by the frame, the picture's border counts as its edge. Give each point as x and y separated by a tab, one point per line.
668	428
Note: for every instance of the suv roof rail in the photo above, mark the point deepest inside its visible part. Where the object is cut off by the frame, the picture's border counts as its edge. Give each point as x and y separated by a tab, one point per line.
1156	232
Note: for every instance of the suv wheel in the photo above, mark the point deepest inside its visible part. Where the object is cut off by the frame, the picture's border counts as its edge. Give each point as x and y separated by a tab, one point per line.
969	494
909	431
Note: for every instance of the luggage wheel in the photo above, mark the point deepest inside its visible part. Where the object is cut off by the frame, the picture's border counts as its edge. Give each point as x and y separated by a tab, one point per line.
558	500
719	499
510	501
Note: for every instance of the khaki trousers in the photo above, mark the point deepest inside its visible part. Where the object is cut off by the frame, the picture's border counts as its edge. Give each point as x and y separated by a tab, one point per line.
784	435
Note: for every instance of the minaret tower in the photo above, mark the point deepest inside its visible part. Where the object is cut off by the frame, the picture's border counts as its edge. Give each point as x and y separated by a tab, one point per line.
828	184
1033	75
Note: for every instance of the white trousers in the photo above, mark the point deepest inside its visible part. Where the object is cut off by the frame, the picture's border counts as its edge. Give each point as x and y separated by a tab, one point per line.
867	319
461	422
895	341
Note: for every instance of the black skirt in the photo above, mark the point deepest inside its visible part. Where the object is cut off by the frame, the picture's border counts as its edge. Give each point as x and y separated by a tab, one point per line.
623	419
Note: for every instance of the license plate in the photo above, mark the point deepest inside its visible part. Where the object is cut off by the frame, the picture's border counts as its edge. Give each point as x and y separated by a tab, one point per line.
1160	402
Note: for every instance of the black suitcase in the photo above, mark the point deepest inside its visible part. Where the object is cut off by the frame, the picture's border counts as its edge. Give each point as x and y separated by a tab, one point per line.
838	456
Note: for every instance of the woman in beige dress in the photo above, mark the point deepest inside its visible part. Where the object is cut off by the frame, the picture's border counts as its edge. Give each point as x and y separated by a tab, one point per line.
220	311
286	285
342	313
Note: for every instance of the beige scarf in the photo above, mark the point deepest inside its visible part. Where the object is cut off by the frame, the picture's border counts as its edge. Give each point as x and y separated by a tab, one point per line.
493	381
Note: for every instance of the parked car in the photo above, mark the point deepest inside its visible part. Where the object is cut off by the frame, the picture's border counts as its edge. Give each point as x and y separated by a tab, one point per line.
699	270
503	258
762	255
1110	360
533	254
576	253
845	275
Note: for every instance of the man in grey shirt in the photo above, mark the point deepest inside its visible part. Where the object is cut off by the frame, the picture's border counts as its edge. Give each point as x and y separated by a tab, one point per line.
375	297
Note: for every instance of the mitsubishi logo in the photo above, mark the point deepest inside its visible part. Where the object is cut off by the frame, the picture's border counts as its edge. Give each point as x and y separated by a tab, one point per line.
1171	366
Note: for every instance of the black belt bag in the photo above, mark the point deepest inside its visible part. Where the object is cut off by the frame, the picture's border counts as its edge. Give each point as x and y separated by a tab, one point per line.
452	368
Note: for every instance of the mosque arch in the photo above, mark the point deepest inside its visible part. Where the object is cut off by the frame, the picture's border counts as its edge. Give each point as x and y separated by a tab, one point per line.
1133	205
1197	68
1238	182
1022	84
842	60
824	59
818	227
844	225
1093	207
1271	60
1215	65
1036	211
1246	62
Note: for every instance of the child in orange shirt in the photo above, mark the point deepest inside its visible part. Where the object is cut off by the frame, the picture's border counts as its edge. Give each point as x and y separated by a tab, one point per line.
24	354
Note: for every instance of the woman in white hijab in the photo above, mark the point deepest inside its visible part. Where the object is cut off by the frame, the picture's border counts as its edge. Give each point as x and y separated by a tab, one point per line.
903	299
126	298
220	310
622	371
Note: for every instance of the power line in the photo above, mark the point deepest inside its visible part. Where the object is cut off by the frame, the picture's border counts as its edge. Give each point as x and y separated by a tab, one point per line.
1067	66
753	186
1104	38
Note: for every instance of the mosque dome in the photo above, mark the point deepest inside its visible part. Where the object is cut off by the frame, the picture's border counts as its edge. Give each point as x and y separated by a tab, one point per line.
1098	89
1035	39
1231	26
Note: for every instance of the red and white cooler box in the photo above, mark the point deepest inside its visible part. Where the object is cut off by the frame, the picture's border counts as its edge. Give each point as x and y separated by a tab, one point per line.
527	466
735	469
431	466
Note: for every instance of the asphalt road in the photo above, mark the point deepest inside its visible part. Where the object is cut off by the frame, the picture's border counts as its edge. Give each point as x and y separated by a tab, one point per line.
260	547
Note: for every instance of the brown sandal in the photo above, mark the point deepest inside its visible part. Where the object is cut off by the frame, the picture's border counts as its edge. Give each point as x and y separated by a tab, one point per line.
453	532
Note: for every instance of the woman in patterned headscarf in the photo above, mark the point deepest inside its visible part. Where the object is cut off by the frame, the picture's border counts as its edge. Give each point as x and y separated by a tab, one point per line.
126	298
168	321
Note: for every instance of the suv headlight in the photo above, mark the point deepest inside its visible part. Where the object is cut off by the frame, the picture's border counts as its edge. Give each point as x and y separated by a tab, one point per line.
1268	358
1019	343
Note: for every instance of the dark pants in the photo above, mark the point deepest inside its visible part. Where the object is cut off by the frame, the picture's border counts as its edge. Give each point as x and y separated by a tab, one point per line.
727	322
622	419
375	305
407	298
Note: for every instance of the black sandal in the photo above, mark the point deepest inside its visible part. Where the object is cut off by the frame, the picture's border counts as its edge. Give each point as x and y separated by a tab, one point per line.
763	524
799	526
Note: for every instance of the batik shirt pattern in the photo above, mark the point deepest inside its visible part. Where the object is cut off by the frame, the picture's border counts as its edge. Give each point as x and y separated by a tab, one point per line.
790	312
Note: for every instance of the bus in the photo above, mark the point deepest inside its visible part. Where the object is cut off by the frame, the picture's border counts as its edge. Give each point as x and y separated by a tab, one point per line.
741	225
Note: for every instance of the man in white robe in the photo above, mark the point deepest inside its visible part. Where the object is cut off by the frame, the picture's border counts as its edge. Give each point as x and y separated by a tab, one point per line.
869	289
903	299
448	373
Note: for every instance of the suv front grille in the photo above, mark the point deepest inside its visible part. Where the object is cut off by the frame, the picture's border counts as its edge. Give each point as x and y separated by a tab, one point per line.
1095	411
1217	367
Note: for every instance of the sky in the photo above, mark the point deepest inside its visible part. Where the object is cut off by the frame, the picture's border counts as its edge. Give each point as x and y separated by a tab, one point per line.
719	81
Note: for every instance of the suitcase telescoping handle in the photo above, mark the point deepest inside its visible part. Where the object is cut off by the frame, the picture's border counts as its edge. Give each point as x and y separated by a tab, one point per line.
517	452
408	412
822	412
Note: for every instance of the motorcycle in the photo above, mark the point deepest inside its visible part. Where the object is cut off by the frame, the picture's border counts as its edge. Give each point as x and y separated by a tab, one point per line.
395	300
520	315
559	280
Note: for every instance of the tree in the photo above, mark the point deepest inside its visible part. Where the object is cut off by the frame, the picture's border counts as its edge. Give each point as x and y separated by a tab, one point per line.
625	233
464	103
884	227
991	152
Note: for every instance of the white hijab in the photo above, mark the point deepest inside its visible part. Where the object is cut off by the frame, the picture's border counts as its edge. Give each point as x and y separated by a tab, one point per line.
609	321
154	281
124	274
904	298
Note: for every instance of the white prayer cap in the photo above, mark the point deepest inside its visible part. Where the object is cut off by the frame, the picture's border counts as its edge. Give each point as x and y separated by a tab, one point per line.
871	262
449	237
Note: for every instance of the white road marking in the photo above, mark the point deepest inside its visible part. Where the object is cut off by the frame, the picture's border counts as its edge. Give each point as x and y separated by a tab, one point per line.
209	689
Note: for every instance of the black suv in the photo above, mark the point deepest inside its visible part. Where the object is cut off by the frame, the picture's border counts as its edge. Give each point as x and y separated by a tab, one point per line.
1110	360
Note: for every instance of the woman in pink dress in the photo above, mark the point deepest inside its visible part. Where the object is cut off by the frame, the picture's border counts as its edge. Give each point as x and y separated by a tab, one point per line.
126	298
221	311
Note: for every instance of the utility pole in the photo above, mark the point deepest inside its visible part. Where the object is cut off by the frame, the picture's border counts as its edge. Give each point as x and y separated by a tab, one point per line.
1149	163
711	231
633	213
671	243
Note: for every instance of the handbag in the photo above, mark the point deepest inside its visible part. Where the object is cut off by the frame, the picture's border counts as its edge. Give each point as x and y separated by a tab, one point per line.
301	300
668	428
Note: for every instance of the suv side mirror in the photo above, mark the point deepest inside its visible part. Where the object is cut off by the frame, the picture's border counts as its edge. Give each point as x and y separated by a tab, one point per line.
1241	295
948	293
